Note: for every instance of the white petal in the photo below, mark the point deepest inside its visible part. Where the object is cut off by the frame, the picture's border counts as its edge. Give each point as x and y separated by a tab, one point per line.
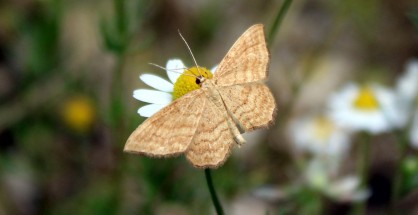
157	82
176	65
213	70
316	174
153	96
347	189
149	110
346	185
414	132
407	86
360	195
270	193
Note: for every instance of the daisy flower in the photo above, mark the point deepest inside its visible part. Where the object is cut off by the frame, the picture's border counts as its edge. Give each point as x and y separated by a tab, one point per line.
370	108
181	82
319	135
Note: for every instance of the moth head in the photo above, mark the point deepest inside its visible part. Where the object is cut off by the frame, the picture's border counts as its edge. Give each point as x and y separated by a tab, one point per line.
199	80
191	79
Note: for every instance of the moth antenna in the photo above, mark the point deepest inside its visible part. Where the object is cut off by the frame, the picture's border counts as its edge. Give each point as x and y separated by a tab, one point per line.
173	70
191	53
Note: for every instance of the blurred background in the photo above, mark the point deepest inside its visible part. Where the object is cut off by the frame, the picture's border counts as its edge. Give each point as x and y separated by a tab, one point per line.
68	70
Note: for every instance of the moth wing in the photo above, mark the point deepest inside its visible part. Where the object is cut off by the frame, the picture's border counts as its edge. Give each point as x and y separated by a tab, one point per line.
251	106
247	60
169	131
213	140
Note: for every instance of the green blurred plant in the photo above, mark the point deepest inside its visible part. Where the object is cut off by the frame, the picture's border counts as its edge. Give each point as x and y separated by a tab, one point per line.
42	32
363	169
117	33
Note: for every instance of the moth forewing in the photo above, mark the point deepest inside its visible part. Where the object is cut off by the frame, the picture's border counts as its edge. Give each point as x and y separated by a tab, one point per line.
251	105
214	96
213	140
170	131
246	61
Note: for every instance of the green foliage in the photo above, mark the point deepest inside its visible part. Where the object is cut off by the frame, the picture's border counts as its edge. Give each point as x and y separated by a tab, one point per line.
414	18
42	32
97	198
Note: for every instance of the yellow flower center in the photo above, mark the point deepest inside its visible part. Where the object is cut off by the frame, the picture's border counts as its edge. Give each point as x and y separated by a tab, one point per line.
323	127
186	83
366	100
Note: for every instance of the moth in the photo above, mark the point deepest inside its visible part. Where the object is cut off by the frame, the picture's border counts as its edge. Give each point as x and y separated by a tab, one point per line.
206	123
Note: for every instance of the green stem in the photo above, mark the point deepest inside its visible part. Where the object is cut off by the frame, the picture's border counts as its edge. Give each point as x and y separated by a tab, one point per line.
396	188
274	29
363	167
121	21
278	21
212	191
319	203
118	121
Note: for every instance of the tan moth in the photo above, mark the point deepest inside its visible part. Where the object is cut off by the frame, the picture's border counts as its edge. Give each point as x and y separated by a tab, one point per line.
205	123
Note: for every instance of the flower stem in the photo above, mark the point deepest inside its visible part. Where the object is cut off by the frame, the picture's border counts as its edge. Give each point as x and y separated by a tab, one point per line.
274	29
396	188
363	167
212	191
278	21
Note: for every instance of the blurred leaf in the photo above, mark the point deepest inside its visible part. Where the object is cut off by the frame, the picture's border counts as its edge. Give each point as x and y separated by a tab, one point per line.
308	201
115	31
365	15
98	198
117	110
35	141
42	32
38	95
410	174
206	23
110	37
227	184
414	18
118	31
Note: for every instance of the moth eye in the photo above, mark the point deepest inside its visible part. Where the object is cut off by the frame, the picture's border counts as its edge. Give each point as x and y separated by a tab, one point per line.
197	81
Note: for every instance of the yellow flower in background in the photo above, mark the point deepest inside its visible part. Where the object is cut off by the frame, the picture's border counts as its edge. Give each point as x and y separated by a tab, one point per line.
79	113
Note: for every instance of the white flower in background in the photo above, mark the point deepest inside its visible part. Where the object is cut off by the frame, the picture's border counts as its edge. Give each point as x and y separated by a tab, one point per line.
166	91
407	91
319	135
370	108
414	131
407	84
346	189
